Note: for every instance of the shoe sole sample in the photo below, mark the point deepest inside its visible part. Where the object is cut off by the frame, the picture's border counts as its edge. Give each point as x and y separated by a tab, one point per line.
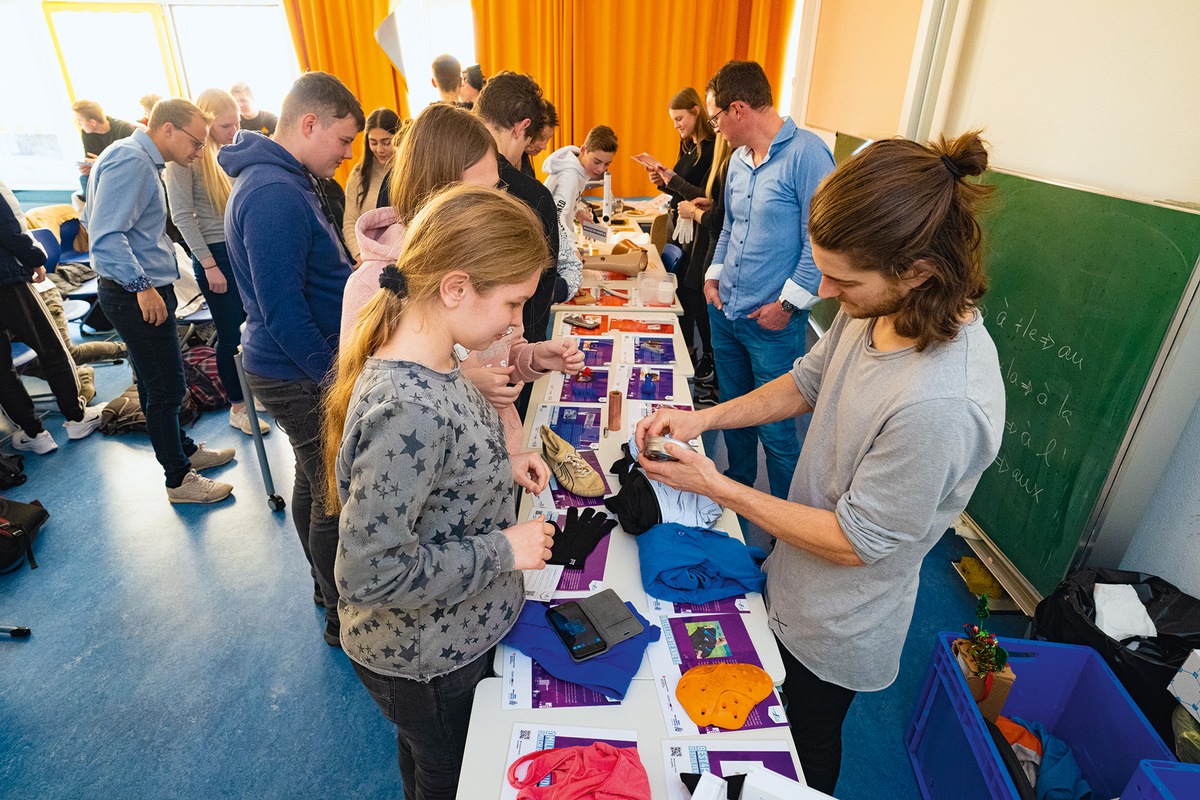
200	501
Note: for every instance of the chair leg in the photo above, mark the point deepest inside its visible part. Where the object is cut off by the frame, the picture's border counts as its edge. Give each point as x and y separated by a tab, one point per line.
274	501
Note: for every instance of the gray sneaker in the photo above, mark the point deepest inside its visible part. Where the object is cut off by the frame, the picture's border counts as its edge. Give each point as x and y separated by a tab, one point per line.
204	458
198	489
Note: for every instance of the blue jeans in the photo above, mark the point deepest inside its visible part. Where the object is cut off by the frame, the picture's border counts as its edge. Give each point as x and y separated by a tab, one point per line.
228	316
158	370
748	356
431	724
295	405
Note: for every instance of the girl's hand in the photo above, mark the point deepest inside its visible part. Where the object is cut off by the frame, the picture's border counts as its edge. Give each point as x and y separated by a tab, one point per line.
531	542
492	382
216	279
561	355
529	471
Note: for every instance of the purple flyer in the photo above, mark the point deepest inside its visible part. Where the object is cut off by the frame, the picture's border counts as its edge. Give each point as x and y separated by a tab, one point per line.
578	425
597	352
561	498
728	605
589	386
551	692
650	384
778	762
580	580
653	350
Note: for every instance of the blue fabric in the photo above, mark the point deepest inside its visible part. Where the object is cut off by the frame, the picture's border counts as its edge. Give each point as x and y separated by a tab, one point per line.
694	565
1059	777
764	241
608	673
289	261
126	216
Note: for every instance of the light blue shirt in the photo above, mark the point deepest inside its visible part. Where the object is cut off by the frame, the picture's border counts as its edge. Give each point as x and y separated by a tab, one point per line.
126	216
764	253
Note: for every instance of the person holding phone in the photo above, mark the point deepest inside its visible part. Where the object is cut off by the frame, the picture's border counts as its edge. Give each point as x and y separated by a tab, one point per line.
429	556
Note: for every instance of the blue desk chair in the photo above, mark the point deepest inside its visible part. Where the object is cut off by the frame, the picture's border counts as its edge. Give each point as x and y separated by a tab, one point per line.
672	254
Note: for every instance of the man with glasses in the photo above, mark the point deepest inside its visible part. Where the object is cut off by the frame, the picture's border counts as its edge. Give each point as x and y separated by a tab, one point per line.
126	218
762	280
286	248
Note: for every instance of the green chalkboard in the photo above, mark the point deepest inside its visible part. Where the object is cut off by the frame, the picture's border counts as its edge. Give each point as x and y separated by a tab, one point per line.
1084	288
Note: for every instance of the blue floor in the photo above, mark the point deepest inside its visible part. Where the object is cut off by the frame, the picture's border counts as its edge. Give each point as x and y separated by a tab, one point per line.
176	651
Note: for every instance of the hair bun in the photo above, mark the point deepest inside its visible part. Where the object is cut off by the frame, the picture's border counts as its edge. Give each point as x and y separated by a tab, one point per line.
394	281
965	155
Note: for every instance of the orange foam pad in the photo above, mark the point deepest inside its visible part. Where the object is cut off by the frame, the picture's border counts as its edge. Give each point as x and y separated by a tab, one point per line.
722	694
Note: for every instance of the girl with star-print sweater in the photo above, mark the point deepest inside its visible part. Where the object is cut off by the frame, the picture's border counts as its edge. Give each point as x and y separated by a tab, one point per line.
428	567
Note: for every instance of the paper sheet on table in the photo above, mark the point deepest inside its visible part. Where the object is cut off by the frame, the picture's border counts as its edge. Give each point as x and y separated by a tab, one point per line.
541	583
724	759
639	349
579	425
527	685
729	605
590	388
529	737
576	583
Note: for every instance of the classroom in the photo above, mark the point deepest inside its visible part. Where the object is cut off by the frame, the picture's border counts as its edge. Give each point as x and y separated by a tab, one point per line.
518	316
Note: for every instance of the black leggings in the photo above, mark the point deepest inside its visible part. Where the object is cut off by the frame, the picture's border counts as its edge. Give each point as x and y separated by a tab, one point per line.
816	710
695	317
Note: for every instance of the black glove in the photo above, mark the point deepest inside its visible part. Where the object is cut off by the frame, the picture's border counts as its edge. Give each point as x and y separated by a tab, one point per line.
578	536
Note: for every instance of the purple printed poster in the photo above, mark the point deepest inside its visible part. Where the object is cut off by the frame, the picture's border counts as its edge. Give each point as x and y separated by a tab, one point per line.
653	350
650	384
589	386
579	581
563	499
726	759
729	605
552	692
597	352
578	425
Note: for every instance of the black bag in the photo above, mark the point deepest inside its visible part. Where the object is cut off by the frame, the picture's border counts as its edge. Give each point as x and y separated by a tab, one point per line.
1068	615
12	470
19	522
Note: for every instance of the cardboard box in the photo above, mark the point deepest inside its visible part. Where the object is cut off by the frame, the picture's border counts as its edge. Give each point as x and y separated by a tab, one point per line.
1186	684
990	703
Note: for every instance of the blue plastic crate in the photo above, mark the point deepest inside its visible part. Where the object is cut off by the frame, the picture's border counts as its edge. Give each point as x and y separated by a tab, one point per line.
1067	688
1164	780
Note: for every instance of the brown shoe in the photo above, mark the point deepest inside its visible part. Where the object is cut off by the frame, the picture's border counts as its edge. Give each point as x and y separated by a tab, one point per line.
570	470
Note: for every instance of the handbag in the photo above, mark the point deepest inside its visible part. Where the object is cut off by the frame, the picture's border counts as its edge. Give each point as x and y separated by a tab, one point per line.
18	524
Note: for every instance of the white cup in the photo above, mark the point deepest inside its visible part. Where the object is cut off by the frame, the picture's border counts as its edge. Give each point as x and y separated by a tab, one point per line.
666	293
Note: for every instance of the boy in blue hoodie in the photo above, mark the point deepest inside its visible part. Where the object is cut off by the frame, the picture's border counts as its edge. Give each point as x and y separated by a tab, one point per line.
291	264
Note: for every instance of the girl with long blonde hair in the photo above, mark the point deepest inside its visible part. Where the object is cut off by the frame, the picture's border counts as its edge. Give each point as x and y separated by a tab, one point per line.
197	196
429	556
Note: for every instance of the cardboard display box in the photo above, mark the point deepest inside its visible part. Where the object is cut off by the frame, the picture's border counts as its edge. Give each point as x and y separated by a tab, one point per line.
990	703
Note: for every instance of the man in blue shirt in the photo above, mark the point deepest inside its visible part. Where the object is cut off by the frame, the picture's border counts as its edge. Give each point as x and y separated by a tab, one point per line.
286	248
126	219
762	280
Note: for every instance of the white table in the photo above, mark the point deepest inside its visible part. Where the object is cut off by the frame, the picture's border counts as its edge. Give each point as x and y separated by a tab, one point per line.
683	364
485	761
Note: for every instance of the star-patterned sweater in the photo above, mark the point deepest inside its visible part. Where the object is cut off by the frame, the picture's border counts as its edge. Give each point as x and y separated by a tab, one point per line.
425	574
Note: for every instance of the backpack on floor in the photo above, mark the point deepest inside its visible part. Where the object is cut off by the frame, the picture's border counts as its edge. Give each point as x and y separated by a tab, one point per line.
12	470
204	384
123	414
19	522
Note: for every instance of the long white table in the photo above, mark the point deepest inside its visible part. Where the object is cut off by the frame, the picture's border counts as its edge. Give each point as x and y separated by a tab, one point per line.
485	761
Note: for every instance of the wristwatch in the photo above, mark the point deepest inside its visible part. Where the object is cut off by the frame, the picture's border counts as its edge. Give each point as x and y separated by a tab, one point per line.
788	307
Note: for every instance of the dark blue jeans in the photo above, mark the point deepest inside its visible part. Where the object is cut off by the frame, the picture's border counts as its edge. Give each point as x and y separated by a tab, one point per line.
431	722
228	316
158	370
748	356
295	405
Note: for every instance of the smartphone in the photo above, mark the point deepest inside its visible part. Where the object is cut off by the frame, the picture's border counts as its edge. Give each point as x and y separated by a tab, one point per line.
580	321
576	630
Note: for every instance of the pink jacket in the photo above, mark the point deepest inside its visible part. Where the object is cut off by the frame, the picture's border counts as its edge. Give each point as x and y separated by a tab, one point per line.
380	240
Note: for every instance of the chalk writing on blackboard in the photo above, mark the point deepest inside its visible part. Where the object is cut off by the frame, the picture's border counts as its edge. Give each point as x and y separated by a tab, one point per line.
1027	331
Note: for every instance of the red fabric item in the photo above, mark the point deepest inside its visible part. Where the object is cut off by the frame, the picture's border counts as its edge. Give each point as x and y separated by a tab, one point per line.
597	771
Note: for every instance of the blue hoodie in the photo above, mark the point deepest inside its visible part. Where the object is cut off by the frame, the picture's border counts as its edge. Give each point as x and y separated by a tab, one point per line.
290	265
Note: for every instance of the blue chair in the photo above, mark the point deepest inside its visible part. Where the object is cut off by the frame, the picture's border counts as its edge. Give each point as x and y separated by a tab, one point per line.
49	242
672	254
70	255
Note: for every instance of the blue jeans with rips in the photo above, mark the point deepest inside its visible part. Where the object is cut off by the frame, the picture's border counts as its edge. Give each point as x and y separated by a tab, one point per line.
431	724
747	356
158	369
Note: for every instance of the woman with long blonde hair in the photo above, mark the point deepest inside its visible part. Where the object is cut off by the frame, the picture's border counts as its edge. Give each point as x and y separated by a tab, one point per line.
429	556
197	196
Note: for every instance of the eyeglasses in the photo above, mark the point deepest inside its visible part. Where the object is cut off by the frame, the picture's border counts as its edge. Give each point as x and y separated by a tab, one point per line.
713	118
197	143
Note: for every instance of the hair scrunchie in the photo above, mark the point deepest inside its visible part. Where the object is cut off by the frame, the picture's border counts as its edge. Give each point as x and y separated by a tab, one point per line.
950	165
394	281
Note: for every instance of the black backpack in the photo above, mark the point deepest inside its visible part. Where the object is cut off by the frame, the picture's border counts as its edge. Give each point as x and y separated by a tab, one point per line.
18	524
12	471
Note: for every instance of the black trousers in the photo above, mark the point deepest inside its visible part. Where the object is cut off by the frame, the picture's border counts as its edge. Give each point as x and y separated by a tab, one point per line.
816	710
25	318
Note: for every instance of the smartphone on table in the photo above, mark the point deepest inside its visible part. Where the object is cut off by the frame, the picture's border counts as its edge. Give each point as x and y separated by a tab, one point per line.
577	631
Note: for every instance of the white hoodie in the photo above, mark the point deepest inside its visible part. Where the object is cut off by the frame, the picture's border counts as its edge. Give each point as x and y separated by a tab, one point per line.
566	180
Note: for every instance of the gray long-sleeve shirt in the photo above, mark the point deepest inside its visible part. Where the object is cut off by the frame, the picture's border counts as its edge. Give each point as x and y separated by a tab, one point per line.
191	209
897	442
425	575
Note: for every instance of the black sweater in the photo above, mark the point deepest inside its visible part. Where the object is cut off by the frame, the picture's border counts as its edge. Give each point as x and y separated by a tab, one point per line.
19	256
538	197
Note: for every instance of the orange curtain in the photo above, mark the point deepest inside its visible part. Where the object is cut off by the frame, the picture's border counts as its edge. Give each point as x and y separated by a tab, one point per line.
338	37
618	63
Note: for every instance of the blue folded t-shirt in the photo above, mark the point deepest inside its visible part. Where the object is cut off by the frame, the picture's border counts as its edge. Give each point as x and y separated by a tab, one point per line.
608	673
696	565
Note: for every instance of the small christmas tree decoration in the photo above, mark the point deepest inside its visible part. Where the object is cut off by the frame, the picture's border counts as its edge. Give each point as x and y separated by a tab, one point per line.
985	664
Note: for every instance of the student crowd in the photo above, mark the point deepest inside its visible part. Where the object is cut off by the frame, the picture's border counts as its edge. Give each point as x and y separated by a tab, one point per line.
393	331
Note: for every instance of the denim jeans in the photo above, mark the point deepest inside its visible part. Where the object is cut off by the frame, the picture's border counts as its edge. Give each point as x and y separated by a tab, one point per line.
431	724
228	316
816	710
295	406
748	356
158	370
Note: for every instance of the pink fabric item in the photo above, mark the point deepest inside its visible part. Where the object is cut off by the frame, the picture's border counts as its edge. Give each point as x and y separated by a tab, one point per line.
597	771
380	240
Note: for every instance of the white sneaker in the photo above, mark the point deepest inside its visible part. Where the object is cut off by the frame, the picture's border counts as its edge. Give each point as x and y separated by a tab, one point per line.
41	444
198	489
241	421
259	407
84	427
